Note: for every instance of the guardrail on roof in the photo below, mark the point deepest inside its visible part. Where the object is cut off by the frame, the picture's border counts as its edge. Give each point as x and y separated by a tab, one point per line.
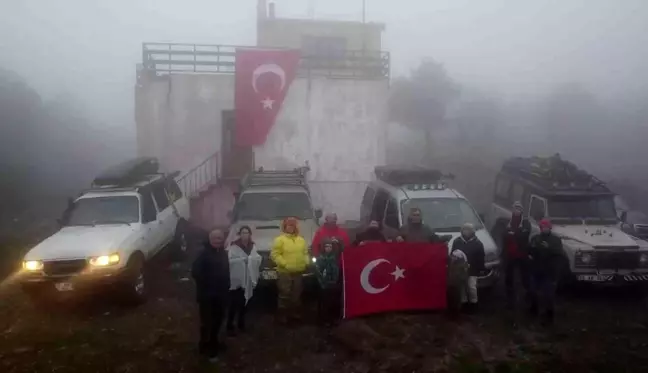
168	58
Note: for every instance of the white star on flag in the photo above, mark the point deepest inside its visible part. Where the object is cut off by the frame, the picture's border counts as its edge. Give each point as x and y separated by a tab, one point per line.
267	103
398	273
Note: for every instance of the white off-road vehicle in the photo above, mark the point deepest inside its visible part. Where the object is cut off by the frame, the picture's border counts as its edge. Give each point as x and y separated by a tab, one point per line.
396	190
109	233
266	198
583	214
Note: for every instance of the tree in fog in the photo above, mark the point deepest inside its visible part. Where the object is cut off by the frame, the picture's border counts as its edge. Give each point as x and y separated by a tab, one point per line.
420	101
479	118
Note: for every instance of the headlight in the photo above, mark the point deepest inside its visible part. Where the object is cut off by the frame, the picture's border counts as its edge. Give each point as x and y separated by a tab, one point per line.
104	260
585	259
33	265
314	259
643	260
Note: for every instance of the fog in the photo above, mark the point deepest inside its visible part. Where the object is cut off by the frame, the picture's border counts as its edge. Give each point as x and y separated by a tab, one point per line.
514	54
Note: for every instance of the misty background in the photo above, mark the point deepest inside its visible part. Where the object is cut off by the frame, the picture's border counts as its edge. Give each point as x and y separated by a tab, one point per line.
482	80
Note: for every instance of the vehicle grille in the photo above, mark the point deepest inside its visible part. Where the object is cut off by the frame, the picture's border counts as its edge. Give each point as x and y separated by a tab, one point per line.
617	260
266	262
64	267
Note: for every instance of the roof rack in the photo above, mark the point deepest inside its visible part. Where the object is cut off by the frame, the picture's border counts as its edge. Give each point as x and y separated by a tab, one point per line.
414	175
127	173
554	173
261	177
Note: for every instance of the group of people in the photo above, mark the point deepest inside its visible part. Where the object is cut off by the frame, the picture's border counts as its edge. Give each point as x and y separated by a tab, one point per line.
226	277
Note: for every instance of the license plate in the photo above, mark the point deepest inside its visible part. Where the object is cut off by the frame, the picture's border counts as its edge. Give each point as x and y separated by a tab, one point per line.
593	278
269	275
64	286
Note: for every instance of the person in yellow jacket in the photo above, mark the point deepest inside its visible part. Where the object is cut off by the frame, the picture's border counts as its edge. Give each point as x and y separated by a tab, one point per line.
290	254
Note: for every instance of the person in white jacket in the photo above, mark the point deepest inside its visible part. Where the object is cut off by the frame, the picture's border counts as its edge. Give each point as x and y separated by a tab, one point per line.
244	261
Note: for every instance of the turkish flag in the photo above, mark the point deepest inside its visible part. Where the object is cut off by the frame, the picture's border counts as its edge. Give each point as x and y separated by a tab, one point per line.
381	277
262	80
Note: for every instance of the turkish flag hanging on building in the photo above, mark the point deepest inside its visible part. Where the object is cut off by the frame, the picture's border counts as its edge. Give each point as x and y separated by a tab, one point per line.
262	80
381	277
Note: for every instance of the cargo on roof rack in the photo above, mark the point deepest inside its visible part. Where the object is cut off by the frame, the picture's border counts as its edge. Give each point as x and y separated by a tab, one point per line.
399	176
261	177
554	174
127	173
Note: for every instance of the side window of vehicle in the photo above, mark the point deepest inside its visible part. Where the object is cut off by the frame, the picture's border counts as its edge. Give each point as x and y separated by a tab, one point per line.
368	197
379	204
148	208
538	208
173	190
391	214
159	193
502	188
518	193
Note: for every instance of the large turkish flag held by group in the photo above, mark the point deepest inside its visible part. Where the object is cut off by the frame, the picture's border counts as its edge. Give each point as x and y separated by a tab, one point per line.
380	277
262	80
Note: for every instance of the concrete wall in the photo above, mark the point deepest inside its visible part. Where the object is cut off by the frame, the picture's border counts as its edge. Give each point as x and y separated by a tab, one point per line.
337	125
179	117
289	33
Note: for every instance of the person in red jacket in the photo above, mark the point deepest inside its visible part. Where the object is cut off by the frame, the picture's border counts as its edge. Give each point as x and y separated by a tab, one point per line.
331	230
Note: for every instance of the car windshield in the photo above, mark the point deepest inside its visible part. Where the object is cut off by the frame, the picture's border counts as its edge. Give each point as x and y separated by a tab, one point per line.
103	210
273	206
443	214
567	209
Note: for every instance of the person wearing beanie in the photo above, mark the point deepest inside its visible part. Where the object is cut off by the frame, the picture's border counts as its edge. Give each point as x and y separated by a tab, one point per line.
473	248
545	252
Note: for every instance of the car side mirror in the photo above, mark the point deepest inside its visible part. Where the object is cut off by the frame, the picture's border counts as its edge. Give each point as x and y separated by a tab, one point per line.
318	213
624	216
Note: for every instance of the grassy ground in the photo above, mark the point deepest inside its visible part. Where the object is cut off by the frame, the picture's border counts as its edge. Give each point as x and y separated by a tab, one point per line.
598	331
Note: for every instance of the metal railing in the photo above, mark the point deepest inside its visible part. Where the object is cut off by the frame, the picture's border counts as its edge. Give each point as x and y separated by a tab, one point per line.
166	58
199	178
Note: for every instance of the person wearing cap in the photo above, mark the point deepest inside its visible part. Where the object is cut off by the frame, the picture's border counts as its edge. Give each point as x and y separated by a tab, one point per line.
515	248
545	252
473	248
290	254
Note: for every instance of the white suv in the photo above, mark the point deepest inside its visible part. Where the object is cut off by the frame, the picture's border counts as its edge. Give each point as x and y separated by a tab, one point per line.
107	236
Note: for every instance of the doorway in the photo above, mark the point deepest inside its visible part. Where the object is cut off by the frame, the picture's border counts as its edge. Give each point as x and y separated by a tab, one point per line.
236	160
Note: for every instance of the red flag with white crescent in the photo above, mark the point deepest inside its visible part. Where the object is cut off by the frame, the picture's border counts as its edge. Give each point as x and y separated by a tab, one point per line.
380	277
262	80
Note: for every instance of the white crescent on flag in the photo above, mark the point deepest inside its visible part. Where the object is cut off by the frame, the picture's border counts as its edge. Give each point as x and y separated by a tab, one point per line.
364	277
268	68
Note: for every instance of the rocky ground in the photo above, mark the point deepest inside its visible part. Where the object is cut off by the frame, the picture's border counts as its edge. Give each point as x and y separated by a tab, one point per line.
597	331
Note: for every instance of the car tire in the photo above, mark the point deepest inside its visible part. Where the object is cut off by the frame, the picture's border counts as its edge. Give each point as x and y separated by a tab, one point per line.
134	286
181	242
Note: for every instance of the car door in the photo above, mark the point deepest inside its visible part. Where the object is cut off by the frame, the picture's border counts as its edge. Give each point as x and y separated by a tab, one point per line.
391	225
178	201
151	233
166	216
365	207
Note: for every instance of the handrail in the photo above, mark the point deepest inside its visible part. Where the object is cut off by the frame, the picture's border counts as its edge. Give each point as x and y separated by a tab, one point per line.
199	178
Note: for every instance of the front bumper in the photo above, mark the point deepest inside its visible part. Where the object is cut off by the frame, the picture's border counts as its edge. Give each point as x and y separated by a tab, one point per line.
79	282
616	278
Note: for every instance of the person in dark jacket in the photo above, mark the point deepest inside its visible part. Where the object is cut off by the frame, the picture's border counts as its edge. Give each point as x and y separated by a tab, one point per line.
373	233
211	274
328	275
515	243
415	230
546	252
473	248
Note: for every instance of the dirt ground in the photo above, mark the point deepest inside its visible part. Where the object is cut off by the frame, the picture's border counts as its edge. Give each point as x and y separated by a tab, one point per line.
596	331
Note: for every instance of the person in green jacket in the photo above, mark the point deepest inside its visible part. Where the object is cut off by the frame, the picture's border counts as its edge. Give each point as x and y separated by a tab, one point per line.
290	255
328	275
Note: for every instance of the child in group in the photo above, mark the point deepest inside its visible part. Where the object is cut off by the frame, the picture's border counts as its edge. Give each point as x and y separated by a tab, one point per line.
328	275
457	277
